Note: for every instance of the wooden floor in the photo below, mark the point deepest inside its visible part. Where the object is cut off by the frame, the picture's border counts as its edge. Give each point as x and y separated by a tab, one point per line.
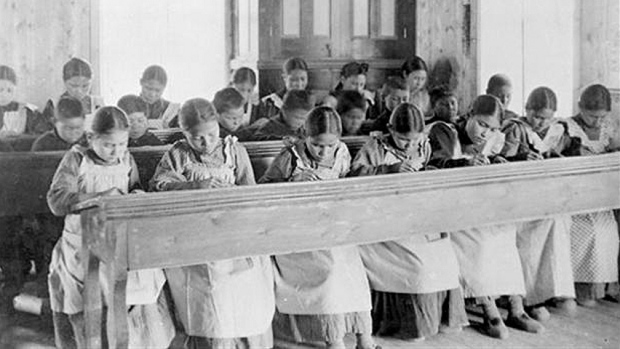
597	327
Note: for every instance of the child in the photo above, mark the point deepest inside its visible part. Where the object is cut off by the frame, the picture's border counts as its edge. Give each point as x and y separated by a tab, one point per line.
444	105
415	71
244	80
68	127
77	76
395	91
104	168
229	104
352	107
499	85
225	303
488	256
135	108
544	245
415	280
594	236
320	295
295	76
160	113
16	118
289	122
353	78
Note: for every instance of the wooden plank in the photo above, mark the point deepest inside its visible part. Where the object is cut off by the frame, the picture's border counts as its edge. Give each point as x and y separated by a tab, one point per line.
234	222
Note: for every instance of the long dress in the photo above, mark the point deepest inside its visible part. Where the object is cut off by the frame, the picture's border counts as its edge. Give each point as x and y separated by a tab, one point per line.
415	281
544	245
594	235
82	172
226	303
487	255
320	295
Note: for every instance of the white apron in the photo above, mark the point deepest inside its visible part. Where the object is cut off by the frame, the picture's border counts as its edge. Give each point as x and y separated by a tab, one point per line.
329	281
544	248
489	261
66	270
228	298
423	263
15	121
594	236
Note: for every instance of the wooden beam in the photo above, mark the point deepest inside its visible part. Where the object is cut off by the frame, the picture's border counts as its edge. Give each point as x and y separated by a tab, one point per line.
191	227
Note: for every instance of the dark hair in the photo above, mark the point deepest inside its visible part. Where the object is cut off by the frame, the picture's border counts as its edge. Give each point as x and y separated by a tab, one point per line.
7	73
76	67
440	93
407	118
69	108
294	63
487	105
412	64
348	100
394	83
298	99
244	74
497	81
107	119
323	120
227	99
595	97
132	104
541	98
196	111
155	72
353	69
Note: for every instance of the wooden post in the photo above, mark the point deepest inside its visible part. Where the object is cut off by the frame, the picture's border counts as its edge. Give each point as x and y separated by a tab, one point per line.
115	293
92	227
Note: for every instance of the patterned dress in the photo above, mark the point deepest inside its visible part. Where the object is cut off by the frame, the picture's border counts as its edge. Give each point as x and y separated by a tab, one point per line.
320	295
226	303
594	236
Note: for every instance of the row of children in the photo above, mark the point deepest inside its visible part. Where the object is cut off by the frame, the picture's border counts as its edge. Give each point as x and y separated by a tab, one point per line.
411	288
241	112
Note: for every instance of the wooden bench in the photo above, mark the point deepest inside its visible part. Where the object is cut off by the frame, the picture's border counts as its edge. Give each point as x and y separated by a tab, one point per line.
159	230
168	135
26	177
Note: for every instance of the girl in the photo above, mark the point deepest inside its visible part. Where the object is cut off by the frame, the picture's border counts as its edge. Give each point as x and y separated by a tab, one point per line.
488	256
104	168
352	108
77	75
244	81
594	236
320	295
544	245
16	118
222	304
415	71
160	113
295	76
353	78
409	299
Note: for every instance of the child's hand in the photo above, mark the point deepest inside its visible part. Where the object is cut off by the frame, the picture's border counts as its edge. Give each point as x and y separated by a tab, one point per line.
137	191
409	166
8	133
305	176
532	156
479	160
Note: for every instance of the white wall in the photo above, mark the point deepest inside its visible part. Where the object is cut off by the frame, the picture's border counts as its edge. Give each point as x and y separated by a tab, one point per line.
533	42
185	37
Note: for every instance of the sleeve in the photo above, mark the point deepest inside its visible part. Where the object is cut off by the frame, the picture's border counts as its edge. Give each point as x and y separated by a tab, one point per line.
39	143
515	137
346	168
134	176
280	169
366	162
169	170
64	191
244	175
153	140
47	115
443	141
